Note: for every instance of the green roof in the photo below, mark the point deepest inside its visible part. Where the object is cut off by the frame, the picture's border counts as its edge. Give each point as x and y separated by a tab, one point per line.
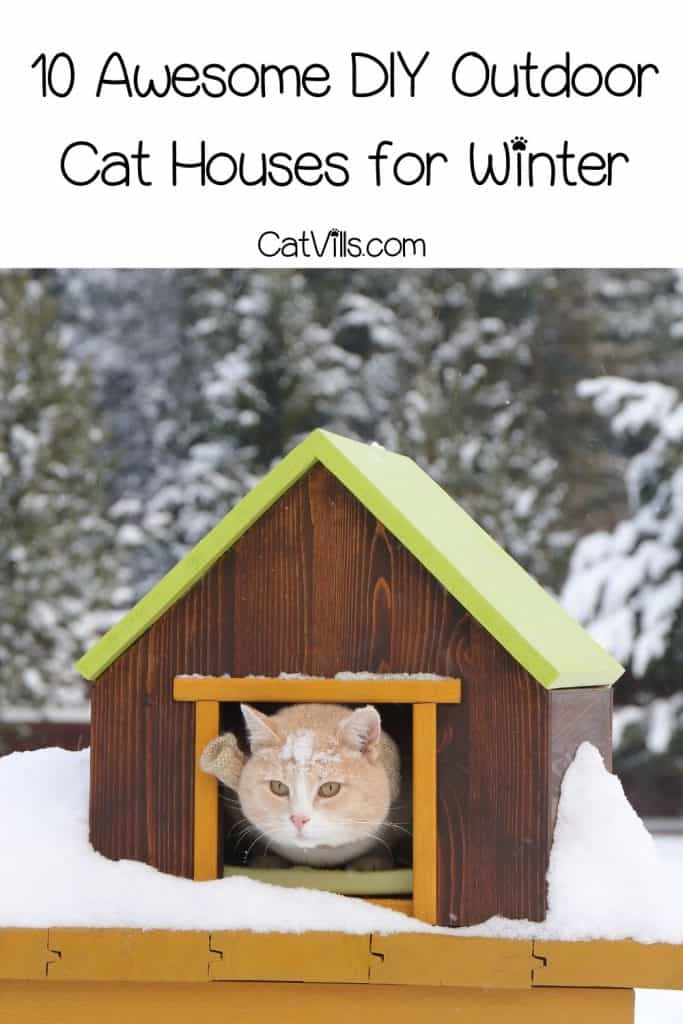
509	603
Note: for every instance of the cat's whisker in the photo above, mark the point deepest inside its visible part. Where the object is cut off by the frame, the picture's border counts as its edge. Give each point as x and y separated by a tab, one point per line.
237	824
258	837
244	834
399	828
378	839
362	821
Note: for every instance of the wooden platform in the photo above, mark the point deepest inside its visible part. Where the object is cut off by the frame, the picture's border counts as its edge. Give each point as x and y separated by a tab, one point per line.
164	977
408	959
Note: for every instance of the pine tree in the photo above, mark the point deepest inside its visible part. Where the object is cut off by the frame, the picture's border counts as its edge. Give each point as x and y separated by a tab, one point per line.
641	324
232	404
626	585
251	386
485	409
136	328
57	576
367	349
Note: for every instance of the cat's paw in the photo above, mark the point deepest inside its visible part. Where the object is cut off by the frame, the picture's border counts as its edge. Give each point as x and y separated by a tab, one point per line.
376	860
223	758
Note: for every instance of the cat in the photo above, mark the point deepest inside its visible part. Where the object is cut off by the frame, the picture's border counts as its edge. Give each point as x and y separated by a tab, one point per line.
319	786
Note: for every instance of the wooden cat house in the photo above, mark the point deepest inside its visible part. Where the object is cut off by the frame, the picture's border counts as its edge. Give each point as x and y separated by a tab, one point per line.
348	575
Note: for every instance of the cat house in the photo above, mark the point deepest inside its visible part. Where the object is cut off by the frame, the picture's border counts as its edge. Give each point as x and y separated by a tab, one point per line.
348	575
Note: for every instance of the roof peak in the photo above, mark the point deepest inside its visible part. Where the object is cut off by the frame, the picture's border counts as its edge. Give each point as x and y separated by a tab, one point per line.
494	588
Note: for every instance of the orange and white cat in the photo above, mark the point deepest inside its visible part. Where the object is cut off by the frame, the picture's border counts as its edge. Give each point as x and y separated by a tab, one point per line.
319	785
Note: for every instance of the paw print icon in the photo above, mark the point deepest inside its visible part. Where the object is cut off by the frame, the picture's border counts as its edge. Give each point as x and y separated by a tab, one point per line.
519	142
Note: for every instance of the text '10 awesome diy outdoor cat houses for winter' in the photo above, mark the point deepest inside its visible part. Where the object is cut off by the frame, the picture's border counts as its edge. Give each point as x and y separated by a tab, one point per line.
347	575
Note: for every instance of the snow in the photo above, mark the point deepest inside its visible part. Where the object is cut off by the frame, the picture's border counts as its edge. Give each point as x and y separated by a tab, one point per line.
387	675
662	722
631	405
130	535
605	879
652	1005
656	1007
298	748
50	875
364	676
604	875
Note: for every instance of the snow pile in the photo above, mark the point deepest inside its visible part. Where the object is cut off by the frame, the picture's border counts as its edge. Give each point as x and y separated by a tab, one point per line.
50	875
605	880
604	876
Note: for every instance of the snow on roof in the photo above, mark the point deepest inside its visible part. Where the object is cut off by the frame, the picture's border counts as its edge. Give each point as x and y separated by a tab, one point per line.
605	880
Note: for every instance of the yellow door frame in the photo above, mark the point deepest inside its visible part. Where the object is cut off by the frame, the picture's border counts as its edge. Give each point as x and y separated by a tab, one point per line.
209	692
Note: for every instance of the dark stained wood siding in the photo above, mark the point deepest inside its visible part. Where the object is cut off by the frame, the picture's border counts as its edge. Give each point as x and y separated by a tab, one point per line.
575	716
493	787
142	761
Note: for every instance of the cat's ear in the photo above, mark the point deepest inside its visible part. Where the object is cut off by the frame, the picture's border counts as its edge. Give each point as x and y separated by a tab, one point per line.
361	731
223	758
260	729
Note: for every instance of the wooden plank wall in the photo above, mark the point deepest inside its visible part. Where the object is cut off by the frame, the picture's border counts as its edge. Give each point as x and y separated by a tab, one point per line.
142	761
502	756
492	757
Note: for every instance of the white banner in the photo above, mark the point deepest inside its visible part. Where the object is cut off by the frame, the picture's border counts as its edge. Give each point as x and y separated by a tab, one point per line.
377	134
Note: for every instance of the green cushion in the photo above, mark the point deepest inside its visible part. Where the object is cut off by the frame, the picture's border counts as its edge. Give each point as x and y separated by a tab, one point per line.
395	882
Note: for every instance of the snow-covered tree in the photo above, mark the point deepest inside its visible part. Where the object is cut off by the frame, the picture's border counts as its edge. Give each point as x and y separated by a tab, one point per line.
641	323
626	585
126	325
250	388
57	570
379	335
489	417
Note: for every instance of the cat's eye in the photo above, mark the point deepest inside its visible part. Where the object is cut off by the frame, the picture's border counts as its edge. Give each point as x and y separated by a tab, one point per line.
329	789
279	788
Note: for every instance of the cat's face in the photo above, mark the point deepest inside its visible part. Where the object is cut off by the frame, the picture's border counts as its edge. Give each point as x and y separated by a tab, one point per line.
315	776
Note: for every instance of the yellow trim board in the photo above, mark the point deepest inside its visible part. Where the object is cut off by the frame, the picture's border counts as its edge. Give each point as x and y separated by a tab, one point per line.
207	727
310	956
425	842
624	964
24	953
122	954
301	690
405	959
413	959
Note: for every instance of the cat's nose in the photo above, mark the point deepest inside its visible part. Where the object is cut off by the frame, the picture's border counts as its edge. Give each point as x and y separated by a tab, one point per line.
298	820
